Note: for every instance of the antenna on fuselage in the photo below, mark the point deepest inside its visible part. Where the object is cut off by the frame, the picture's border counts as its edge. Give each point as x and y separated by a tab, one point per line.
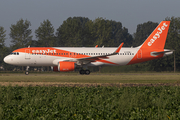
29	46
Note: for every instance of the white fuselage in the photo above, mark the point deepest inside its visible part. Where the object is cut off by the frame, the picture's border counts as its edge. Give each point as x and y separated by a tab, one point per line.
27	59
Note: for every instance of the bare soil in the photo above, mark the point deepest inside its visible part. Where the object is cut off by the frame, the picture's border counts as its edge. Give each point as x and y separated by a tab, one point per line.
57	84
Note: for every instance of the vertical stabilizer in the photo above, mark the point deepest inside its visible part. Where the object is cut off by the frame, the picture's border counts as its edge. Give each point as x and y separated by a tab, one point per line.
157	38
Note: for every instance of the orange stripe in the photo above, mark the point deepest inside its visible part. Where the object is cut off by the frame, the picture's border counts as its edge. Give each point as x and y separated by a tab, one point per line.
54	50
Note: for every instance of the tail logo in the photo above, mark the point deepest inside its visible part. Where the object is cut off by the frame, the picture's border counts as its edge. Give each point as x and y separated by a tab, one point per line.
157	35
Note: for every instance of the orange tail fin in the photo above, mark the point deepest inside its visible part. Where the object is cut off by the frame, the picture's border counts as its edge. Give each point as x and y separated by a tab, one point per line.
157	38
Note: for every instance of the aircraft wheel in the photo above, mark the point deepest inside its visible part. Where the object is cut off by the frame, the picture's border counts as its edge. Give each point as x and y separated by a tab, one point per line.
26	73
82	72
87	72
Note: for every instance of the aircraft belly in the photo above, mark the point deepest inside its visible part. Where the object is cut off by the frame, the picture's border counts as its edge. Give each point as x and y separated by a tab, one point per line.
121	59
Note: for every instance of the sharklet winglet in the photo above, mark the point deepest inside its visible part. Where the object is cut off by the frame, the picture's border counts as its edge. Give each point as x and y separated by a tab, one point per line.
118	49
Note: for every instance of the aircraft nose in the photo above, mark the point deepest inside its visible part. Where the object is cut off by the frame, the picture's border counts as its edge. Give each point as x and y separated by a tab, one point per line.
8	59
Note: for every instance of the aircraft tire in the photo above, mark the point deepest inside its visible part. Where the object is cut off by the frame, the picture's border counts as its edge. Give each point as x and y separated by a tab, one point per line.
26	73
87	72
82	72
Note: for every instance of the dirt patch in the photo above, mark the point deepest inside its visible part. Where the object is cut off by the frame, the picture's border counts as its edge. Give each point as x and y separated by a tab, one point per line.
57	84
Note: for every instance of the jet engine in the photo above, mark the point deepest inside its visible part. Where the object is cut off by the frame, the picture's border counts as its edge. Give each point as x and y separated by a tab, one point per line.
64	66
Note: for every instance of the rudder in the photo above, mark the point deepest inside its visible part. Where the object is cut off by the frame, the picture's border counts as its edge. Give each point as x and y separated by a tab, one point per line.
157	38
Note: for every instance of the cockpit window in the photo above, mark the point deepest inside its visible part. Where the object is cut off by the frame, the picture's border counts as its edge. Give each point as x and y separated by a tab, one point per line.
14	53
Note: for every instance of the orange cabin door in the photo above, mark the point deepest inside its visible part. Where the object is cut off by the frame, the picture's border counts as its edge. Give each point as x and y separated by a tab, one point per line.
139	55
27	54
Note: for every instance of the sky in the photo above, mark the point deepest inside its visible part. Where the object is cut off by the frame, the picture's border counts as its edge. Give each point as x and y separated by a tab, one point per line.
129	12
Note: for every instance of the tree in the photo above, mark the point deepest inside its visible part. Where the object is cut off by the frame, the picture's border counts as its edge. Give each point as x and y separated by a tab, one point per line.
20	34
102	32
173	40
108	33
45	34
79	31
2	44
72	32
120	34
2	36
143	31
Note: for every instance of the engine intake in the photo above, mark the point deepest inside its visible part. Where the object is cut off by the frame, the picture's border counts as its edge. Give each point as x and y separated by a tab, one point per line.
64	66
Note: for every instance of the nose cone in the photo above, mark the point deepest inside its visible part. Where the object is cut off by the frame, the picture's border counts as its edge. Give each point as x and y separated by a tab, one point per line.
8	59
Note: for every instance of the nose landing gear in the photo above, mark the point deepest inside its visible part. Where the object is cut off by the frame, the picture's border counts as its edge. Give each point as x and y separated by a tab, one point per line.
27	70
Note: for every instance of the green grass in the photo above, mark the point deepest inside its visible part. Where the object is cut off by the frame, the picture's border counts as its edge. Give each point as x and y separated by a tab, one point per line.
90	103
93	78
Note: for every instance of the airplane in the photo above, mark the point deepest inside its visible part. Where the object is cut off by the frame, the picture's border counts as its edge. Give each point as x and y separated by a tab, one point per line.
64	59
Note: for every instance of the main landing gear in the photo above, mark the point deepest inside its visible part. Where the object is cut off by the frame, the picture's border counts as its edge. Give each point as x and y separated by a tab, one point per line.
86	72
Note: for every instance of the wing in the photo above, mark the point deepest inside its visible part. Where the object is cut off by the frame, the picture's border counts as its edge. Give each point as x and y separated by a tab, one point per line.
94	58
87	60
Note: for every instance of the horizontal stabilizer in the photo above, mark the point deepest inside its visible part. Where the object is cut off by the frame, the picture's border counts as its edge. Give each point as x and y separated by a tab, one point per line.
162	52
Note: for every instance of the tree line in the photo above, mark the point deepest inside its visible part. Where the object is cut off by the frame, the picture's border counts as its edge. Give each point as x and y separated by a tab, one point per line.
83	32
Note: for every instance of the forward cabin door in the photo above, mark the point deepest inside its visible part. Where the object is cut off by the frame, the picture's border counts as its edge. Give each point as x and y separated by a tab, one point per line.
27	54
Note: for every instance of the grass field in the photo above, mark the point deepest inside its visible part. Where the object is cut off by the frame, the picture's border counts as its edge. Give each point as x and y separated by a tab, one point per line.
93	79
95	96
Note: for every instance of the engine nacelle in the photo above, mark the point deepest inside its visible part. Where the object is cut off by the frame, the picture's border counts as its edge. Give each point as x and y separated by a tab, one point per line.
64	66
